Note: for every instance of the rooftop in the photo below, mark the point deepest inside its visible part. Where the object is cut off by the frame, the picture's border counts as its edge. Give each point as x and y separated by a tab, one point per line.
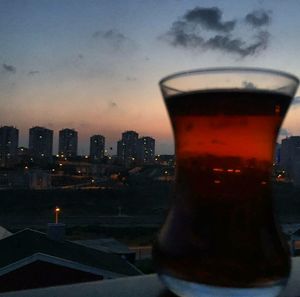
138	286
29	242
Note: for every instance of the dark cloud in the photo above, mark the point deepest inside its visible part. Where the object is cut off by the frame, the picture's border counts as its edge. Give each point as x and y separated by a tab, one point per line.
114	38
210	18
80	56
33	72
237	45
9	68
195	31
113	104
180	36
258	18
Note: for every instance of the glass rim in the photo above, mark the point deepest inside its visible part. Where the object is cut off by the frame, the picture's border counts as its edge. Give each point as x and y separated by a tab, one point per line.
219	70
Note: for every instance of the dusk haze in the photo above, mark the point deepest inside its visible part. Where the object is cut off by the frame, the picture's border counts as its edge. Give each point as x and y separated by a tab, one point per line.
94	66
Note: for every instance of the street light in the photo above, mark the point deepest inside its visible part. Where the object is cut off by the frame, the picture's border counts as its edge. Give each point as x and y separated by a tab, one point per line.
57	210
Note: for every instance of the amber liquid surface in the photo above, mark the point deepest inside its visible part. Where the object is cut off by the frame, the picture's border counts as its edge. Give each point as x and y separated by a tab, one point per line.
221	229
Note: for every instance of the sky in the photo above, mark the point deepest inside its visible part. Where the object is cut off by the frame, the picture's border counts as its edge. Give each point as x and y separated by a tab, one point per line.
95	65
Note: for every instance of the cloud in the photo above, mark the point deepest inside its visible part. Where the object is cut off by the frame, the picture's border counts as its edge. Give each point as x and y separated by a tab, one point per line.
131	78
80	56
258	18
203	29
237	45
9	68
113	38
209	18
112	104
33	72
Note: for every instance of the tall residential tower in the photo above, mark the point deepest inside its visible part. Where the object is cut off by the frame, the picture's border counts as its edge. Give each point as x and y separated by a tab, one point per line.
97	147
127	147
41	144
68	142
9	141
146	149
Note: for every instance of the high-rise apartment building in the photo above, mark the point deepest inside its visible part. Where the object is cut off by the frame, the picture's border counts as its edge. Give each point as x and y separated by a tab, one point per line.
97	147
9	140
68	142
290	157
127	147
41	144
290	149
146	149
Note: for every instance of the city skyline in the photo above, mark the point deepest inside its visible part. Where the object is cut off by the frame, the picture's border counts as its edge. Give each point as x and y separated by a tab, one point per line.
95	65
59	142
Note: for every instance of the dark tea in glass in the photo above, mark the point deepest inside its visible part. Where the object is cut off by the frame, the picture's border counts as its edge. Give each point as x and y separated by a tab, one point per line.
220	237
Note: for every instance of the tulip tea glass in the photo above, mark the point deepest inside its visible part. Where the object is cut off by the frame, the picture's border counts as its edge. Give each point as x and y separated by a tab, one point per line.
220	238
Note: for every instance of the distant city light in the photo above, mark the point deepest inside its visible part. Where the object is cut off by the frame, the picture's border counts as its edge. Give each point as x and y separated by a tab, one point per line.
57	210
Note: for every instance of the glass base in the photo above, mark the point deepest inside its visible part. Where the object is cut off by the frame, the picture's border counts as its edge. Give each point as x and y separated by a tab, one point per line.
189	289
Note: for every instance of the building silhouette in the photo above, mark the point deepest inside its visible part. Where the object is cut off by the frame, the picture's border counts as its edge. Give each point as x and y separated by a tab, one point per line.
97	147
146	149
290	149
37	260
127	147
41	144
9	140
290	157
68	142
